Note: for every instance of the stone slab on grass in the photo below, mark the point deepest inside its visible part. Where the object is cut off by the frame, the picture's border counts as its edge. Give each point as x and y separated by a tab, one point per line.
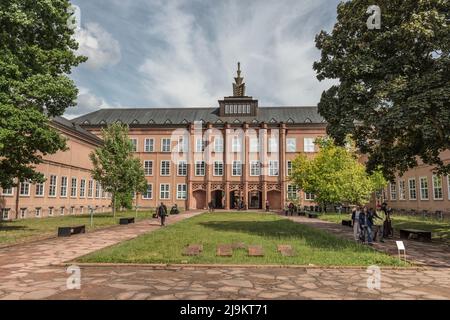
224	250
255	251
193	250
285	250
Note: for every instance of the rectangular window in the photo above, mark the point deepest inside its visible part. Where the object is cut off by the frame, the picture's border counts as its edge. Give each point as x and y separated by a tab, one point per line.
62	211
401	190
25	188
218	144
309	196
199	145
149	192
23	213
423	188
134	144
82	188
97	189
40	189
236	144
50	211
289	168
292	192
149	145
181	191
237	168
63	189
91	189
255	168
273	168
272	145
164	191
412	189
52	186
200	168
148	167
5	213
7	192
218	168
182	145
308	145
182	168
165	145
393	191
165	168
254	145
73	188
437	188
38	212
291	145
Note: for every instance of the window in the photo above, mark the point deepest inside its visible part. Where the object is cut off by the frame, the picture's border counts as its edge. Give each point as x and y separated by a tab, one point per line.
52	186
412	189
236	144
62	211
5	213
81	210
134	144
182	145
255	168
165	145
254	145
218	168
309	196
308	145
165	168
289	168
148	193
23	213
25	188
292	192
82	188
200	168
148	167
273	145
237	168
63	191
218	144
40	189
38	212
97	189
7	192
291	145
182	169
164	191
401	190
437	188
227	109
200	145
50	211
182	191
91	189
393	191
149	144
273	168
73	189
423	188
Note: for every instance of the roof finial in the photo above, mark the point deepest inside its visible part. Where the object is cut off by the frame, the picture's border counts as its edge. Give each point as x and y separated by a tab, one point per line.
239	85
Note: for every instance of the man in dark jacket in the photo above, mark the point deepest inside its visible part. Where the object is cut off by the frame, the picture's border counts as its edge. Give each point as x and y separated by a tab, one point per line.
162	213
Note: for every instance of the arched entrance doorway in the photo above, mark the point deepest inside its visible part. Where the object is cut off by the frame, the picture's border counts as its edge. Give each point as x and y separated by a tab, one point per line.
217	199
199	198
235	198
274	198
255	200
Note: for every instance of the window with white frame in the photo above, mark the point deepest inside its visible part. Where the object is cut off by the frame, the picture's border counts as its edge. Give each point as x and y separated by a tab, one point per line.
289	168
412	189
273	145
164	191
38	212
182	168
103	193
148	194
309	196
401	190
149	145
218	144
424	188
255	168
63	190
182	144
91	189
292	192
393	191
62	211
97	189
72	210
273	168
82	188
73	188
148	167
52	186
7	192
218	168
200	168
182	191
165	168
5	213
23	213
165	145
291	145
199	145
39	191
134	144
25	188
254	145
308	145
237	168
50	211
437	188
236	144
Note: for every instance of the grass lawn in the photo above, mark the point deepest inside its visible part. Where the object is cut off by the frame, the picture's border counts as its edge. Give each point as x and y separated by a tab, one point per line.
30	229
312	246
440	229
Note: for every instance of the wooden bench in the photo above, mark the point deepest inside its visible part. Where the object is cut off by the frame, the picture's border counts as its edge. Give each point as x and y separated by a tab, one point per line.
348	223
312	215
126	220
420	234
68	231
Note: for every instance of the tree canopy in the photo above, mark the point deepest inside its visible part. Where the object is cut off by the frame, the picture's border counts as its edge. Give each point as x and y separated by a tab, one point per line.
393	95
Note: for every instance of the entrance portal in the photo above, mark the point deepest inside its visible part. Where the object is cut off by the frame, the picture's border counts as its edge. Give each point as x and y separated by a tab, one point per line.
199	199
217	199
255	200
235	199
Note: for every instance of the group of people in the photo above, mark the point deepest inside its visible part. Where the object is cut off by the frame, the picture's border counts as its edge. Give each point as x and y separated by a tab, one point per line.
365	229
161	212
290	209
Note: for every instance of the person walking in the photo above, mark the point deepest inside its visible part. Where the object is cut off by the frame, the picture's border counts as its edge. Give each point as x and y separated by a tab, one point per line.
267	206
379	226
162	213
364	223
356	226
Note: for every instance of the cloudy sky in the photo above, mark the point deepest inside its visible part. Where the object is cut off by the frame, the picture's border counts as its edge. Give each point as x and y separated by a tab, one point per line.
183	53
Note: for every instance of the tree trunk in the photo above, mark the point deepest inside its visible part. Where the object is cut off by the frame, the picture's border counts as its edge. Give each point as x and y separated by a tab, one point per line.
114	204
17	201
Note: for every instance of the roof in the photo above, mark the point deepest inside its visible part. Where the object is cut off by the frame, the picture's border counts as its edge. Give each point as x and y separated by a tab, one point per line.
77	129
189	115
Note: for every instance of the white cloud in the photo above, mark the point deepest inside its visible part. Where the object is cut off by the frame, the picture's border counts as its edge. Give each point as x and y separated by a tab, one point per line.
98	45
86	102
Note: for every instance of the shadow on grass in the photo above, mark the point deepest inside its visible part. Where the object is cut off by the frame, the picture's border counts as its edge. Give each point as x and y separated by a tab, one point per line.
283	230
14	228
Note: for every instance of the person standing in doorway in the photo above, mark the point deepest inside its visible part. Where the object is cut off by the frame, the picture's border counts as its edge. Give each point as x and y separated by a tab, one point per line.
267	206
355	219
162	213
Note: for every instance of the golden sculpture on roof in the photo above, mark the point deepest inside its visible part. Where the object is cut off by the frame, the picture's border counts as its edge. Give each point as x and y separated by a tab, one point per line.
239	85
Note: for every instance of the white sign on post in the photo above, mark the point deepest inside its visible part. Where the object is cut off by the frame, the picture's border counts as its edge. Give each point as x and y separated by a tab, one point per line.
400	245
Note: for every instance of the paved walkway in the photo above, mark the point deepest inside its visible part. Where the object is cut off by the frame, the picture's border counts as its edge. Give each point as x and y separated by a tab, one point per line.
422	253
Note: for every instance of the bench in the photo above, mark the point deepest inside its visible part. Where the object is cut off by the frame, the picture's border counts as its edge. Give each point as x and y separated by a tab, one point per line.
126	220
312	215
348	223
68	231
420	234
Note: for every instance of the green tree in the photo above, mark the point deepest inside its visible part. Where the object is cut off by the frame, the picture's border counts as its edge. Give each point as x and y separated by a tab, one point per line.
335	175
115	168
37	52
393	94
